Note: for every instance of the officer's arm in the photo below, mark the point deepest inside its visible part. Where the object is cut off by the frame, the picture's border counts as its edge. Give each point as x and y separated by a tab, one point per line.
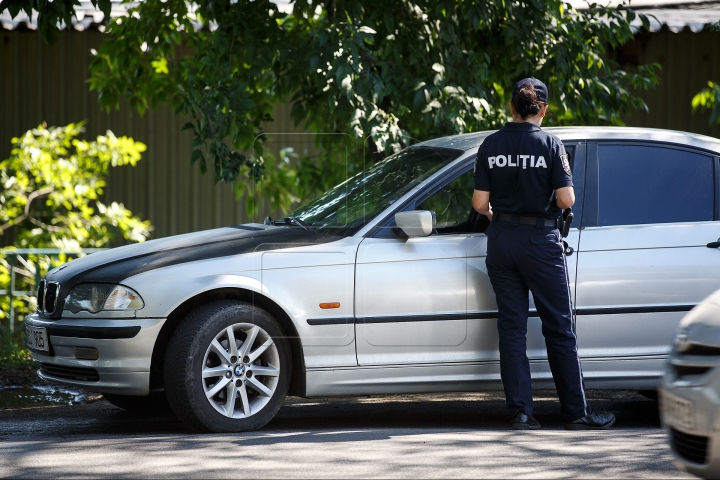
481	203
565	197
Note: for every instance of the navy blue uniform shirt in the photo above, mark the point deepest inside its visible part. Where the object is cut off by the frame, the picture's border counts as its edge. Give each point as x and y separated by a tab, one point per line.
522	166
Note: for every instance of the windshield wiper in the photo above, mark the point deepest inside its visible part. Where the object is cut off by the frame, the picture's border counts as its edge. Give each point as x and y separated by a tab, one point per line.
299	223
289	221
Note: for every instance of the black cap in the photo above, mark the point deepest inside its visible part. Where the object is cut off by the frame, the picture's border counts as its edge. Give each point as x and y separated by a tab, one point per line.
540	88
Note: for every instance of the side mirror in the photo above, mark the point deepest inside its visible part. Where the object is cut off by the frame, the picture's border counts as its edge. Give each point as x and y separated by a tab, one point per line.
416	223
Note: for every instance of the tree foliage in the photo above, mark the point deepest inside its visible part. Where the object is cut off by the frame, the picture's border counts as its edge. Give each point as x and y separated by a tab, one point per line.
383	73
51	13
709	97
50	191
51	186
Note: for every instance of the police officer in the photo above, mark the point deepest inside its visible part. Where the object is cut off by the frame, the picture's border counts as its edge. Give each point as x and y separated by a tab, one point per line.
525	174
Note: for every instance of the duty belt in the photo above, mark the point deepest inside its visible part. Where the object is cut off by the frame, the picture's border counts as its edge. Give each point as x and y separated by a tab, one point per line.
509	217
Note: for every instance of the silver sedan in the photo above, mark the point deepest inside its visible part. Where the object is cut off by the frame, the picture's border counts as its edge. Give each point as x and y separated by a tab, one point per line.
690	393
380	286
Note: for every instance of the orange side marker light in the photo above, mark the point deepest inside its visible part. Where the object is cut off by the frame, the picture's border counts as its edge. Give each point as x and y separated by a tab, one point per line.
325	306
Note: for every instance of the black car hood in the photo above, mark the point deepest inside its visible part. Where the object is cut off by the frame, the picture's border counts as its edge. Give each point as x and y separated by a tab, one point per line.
117	264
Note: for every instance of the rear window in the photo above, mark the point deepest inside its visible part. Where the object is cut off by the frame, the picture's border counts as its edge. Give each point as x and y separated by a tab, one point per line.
651	184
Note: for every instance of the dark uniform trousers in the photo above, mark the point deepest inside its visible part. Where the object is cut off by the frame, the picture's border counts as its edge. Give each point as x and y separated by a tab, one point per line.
522	258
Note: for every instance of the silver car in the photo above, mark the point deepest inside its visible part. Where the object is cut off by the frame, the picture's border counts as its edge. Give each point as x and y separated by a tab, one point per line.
690	393
380	286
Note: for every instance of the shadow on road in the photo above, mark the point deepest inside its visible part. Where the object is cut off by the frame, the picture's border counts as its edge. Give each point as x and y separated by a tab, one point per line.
480	411
415	436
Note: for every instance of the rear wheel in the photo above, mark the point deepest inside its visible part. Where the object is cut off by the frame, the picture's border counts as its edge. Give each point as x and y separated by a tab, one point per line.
227	368
155	402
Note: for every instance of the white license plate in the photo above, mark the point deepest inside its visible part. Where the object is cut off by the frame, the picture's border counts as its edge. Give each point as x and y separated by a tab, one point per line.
37	338
677	411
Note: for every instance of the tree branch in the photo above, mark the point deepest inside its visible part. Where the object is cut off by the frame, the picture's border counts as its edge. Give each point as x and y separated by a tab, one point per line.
31	197
44	226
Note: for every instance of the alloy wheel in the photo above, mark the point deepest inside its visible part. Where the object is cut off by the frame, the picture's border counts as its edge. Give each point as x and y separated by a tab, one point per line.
240	370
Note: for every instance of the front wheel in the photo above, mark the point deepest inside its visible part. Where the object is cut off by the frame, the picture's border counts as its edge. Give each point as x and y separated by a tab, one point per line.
227	368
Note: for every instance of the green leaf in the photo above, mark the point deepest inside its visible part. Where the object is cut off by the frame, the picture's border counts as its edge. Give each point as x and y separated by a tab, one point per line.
197	155
160	65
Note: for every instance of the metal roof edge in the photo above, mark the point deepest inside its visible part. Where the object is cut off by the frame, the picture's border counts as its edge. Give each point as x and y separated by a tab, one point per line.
467	141
678	15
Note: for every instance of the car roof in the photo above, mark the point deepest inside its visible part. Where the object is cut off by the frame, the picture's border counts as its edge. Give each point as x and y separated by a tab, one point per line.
470	140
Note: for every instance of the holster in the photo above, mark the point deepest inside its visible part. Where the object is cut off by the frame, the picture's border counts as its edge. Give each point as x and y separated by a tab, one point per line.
565	221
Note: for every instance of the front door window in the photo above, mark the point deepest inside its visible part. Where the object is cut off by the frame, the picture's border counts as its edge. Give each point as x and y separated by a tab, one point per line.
452	205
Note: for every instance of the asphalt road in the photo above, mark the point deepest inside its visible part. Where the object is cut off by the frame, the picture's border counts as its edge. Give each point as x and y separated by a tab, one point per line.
425	436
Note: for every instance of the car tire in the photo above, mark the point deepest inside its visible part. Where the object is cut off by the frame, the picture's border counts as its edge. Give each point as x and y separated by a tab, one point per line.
212	387
153	403
649	394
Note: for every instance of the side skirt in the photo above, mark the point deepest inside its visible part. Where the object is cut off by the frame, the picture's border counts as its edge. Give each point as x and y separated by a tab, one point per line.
635	373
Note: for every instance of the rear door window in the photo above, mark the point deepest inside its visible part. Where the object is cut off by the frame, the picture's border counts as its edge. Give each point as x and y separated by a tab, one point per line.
652	184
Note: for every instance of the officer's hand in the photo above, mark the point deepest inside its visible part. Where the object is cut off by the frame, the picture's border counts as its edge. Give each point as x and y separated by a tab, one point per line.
489	215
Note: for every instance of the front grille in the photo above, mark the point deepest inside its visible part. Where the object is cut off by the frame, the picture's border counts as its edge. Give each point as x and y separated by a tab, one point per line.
41	296
47	297
689	370
70	373
51	291
692	448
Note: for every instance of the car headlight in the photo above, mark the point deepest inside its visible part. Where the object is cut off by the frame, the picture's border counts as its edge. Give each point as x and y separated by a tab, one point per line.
97	297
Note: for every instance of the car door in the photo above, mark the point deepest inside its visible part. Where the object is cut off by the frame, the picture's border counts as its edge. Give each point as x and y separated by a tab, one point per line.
429	299
643	260
411	292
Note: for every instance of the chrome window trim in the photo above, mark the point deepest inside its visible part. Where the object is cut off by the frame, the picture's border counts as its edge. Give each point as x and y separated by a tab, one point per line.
655	143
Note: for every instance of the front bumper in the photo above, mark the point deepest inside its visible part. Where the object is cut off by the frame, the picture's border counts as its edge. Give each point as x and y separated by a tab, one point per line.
124	348
689	440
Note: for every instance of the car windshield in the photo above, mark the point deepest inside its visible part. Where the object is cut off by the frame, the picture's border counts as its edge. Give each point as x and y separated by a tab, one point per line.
351	205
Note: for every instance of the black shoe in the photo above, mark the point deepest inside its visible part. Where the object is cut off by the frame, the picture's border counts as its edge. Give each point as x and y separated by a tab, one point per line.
524	422
592	421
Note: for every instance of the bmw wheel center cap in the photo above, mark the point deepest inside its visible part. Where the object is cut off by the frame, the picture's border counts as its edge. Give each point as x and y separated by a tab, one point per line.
239	370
